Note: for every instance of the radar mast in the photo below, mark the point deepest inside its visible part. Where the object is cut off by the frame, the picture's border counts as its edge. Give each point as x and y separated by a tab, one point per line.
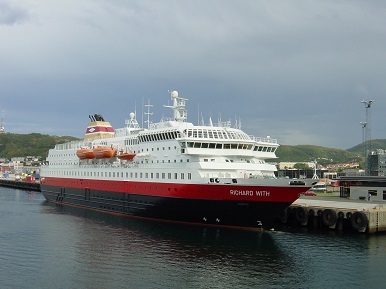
180	113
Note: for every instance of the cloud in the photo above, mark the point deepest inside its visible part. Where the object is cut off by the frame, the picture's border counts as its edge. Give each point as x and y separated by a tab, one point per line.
294	70
11	13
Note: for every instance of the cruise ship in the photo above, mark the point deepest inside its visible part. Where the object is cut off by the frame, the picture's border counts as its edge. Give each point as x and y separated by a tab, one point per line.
173	171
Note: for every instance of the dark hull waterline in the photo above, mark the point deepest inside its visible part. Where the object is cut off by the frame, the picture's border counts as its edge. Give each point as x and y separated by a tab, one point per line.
222	213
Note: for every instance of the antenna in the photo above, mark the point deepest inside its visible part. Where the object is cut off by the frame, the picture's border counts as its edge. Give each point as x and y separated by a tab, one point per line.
237	123
143	106
315	176
2	128
148	113
198	114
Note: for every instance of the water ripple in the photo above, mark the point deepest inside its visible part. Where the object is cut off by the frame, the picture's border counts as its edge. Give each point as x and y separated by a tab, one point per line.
48	246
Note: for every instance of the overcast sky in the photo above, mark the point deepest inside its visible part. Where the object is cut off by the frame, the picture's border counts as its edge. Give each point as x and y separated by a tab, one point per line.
294	70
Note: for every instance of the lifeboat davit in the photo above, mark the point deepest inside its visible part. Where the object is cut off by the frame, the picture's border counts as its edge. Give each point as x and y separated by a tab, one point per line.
104	152
128	156
85	153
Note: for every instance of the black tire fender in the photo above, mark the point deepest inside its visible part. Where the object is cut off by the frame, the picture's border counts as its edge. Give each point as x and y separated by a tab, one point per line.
329	217
301	214
359	220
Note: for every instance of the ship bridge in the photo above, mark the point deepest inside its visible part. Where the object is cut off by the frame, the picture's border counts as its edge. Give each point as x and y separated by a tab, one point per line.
210	140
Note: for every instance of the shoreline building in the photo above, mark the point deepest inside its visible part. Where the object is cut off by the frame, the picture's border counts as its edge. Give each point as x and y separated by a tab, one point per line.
377	163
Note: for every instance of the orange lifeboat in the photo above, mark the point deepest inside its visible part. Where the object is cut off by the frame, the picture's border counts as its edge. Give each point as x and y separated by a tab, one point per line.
126	155
85	153
104	152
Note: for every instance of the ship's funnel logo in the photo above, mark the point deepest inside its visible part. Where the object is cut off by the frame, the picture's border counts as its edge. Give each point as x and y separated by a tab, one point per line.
91	129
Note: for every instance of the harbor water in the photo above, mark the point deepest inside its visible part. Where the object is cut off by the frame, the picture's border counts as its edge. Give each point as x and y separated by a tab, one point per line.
43	245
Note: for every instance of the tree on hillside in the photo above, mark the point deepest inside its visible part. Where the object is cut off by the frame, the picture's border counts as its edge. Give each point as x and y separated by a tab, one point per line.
301	166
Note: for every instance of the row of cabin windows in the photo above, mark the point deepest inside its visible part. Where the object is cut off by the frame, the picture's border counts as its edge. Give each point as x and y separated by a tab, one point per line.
219	145
214	133
158	136
162	161
142	162
240	146
232	161
152	149
265	149
130	142
131	175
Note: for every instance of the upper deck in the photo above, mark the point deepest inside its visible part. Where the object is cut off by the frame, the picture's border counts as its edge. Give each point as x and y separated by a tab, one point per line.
218	139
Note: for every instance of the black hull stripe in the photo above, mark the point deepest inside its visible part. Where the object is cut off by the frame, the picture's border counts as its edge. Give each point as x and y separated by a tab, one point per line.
225	213
158	220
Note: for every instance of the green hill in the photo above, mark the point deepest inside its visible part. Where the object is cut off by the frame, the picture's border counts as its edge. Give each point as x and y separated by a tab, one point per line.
323	155
375	144
33	144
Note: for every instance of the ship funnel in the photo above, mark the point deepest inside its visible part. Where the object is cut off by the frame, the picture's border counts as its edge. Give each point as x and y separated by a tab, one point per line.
98	128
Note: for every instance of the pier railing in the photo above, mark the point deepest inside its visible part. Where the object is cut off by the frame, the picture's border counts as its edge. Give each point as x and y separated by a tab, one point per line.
263	139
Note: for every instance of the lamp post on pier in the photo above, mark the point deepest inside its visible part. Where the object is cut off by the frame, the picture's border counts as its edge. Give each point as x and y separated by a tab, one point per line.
364	124
367	133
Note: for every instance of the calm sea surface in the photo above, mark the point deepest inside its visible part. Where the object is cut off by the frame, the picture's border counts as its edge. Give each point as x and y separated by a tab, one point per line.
48	246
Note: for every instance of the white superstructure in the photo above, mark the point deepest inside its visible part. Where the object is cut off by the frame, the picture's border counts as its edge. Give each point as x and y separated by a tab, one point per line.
172	150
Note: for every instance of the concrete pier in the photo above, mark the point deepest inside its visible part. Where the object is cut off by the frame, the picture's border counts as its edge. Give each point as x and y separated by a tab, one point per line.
337	214
31	186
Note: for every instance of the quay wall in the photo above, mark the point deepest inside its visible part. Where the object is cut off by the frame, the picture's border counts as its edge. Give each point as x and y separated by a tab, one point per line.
32	186
338	214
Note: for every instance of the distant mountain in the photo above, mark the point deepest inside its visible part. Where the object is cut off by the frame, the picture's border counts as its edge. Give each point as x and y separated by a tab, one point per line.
375	144
323	155
33	144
